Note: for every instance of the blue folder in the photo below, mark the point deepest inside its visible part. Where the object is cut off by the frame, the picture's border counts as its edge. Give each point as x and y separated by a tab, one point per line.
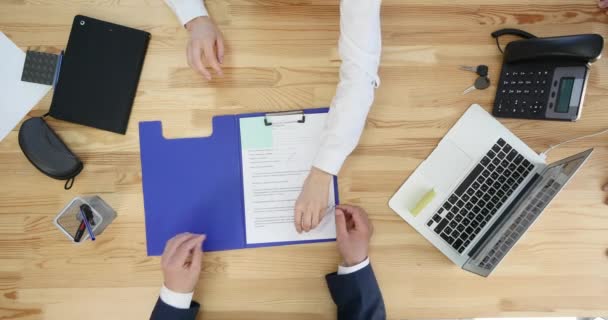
196	185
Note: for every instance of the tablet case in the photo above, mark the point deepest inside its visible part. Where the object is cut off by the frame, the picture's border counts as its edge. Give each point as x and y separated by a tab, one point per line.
196	185
99	74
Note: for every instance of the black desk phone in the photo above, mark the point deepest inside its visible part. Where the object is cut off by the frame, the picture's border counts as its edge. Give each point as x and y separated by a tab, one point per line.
545	78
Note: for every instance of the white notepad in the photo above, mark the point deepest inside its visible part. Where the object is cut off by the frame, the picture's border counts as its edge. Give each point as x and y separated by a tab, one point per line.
17	98
276	160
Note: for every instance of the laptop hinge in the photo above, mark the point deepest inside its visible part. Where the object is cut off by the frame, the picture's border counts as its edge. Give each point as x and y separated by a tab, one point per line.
507	213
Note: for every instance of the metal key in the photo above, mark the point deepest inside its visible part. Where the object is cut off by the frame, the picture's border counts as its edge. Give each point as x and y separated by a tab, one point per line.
480	84
481	70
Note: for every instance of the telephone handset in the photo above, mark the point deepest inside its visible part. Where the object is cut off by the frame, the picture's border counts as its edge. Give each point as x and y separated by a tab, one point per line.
545	78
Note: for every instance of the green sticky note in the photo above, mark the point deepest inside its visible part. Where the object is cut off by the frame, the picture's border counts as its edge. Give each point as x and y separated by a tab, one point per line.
255	134
428	197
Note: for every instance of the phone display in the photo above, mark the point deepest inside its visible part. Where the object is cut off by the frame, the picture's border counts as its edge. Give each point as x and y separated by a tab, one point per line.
565	95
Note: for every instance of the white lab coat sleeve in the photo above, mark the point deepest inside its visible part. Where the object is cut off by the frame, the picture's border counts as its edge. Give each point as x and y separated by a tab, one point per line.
359	47
186	10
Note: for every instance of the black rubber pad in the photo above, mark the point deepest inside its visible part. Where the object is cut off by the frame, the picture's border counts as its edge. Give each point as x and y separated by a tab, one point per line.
39	67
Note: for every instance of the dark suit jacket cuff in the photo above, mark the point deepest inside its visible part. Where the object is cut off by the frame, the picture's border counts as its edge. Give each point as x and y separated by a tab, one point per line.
344	288
163	311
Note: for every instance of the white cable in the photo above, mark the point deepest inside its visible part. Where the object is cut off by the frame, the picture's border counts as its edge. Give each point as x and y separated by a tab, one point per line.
544	154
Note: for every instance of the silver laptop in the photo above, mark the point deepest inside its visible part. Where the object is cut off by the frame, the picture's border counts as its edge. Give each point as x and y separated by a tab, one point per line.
480	190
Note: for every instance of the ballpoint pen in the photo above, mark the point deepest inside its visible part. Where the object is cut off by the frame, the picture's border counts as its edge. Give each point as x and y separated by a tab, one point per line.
329	211
86	214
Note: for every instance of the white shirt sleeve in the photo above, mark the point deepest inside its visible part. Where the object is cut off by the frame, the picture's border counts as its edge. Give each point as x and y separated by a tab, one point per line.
359	46
186	10
347	270
176	299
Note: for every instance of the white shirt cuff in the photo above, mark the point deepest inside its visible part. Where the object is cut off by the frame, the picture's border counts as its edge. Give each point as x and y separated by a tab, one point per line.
329	160
176	299
186	10
347	270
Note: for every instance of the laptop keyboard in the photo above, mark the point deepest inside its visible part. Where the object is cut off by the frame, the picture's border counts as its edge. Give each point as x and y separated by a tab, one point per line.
480	195
520	225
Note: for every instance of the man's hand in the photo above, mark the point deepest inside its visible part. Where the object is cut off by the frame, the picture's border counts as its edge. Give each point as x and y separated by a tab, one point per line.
603	4
182	261
353	231
312	202
206	41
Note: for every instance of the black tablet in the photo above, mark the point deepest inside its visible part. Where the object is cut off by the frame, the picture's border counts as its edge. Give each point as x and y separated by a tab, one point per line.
99	74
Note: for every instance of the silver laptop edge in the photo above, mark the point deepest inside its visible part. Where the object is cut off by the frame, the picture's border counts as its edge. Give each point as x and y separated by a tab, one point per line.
453	161
519	215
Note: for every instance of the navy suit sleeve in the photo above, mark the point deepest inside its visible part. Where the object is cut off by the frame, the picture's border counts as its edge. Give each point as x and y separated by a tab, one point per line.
357	295
163	311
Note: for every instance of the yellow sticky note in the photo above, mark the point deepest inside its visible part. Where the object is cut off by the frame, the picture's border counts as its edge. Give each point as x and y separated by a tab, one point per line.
426	199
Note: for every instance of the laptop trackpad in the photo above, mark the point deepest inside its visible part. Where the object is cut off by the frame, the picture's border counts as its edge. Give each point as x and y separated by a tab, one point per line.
446	166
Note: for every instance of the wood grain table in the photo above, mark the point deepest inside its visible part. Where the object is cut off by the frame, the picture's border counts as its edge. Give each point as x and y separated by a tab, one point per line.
282	55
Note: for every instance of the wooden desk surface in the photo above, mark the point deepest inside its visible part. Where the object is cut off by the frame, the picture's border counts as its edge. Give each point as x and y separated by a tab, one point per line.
282	55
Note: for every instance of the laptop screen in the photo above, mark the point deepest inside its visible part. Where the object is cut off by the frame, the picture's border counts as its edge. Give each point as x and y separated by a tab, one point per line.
516	221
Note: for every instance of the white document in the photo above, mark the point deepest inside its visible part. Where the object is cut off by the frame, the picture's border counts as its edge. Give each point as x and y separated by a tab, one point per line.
17	98
276	160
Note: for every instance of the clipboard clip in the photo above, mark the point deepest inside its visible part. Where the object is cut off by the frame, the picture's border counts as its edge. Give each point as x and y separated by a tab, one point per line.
286	117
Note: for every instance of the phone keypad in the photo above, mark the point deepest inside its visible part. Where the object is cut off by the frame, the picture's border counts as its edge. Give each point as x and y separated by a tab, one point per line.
523	93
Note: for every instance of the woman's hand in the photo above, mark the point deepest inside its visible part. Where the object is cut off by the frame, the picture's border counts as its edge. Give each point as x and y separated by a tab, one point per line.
313	200
206	41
